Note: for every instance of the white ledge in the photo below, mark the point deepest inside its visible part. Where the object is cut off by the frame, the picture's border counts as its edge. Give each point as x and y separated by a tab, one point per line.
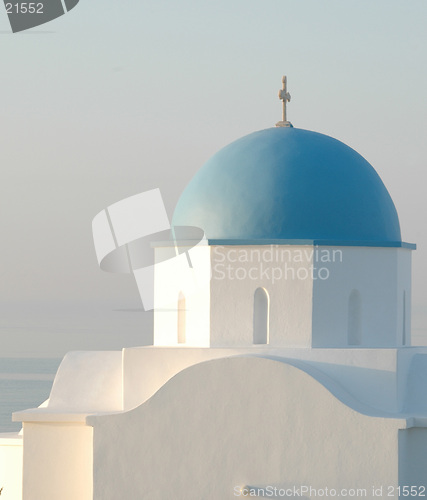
416	422
50	415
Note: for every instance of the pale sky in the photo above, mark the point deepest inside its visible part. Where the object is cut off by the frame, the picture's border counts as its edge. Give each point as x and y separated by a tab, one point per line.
119	97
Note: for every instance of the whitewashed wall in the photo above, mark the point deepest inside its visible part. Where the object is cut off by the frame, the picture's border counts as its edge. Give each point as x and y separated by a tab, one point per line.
172	276
380	275
187	405
220	311
369	376
412	459
11	450
58	461
236	421
308	289
404	284
237	272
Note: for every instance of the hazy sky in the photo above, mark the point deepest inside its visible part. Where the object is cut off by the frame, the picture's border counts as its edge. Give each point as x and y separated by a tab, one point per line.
118	97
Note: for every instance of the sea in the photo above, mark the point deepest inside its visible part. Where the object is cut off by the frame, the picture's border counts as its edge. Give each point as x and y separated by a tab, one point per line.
24	383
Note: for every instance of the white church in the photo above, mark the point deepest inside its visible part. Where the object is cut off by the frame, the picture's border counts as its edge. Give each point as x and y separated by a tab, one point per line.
282	363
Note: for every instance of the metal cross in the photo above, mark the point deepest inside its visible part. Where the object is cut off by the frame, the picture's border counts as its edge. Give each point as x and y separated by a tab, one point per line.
284	96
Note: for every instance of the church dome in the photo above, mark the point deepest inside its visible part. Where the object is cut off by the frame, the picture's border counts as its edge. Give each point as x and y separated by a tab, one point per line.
289	184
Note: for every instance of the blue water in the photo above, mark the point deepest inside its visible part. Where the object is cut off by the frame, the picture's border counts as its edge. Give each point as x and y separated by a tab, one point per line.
24	383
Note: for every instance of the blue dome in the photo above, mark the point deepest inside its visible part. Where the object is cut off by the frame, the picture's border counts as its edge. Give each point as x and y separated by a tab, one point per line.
289	184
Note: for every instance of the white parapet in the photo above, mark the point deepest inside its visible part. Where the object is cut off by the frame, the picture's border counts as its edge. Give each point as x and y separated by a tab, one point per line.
241	420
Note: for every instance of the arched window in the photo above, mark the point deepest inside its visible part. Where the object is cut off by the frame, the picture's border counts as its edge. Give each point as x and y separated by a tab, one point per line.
354	318
404	319
181	318
261	316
